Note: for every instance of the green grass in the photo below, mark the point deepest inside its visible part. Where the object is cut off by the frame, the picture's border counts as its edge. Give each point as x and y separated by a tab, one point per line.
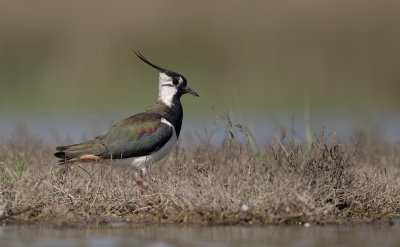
273	56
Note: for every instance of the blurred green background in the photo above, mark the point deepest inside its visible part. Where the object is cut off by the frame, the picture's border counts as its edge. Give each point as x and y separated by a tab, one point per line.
253	58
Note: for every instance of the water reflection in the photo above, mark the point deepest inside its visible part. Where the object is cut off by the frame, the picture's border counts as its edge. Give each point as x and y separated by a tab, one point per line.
176	235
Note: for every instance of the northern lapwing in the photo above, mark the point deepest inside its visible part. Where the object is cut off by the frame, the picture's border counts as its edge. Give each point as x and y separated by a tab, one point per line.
141	139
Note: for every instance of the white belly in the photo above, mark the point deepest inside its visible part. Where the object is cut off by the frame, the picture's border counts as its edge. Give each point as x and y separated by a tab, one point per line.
144	161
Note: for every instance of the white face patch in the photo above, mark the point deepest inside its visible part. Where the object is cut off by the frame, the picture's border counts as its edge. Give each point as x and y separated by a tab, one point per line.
166	89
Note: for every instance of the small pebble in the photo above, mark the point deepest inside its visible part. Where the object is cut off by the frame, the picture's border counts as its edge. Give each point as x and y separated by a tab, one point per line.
306	224
245	208
2	207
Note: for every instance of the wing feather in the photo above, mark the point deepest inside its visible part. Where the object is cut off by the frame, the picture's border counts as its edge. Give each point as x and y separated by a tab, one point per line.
139	135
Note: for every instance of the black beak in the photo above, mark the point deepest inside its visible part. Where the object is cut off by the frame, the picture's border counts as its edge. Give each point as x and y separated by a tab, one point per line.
191	91
185	90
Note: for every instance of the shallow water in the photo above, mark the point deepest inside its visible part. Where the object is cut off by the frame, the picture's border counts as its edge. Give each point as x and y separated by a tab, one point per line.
55	130
176	235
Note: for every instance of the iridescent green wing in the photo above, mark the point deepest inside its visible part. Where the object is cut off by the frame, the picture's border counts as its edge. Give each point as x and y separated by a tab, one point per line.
139	135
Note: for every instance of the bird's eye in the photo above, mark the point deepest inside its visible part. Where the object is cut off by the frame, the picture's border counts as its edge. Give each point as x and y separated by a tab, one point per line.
175	81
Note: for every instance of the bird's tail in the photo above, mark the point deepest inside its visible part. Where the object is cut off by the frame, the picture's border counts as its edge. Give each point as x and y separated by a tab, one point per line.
81	152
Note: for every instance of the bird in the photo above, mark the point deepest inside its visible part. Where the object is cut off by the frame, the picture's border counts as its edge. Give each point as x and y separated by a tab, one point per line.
142	139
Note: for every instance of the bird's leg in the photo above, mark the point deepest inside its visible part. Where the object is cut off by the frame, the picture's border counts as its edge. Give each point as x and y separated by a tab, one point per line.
142	174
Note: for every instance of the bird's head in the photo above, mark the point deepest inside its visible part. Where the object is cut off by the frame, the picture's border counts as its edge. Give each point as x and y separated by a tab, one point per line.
171	84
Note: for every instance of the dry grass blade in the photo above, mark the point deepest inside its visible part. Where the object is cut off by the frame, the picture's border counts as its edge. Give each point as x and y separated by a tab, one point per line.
333	182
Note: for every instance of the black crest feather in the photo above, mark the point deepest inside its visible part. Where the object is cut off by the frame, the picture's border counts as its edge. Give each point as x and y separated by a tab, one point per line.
149	63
